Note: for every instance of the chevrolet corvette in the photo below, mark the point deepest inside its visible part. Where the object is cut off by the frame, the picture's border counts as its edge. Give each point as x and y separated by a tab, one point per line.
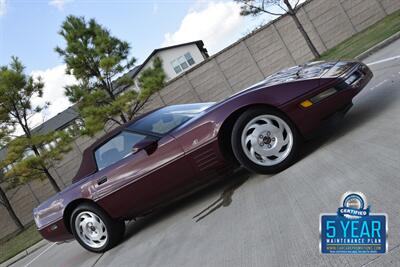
170	152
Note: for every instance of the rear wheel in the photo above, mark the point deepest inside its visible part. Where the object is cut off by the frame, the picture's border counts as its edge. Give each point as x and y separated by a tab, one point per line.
265	140
94	229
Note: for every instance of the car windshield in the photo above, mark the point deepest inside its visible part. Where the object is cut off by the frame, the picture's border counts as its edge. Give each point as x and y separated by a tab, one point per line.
166	119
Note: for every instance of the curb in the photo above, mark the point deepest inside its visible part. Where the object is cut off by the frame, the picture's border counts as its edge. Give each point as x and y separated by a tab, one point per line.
24	253
378	46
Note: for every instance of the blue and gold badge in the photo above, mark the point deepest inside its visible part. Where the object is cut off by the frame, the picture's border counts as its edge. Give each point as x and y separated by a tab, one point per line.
353	229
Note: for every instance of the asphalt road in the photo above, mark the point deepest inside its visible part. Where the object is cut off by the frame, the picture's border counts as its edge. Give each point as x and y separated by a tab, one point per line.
261	220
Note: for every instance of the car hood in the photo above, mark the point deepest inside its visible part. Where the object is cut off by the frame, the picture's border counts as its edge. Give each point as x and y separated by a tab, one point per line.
311	70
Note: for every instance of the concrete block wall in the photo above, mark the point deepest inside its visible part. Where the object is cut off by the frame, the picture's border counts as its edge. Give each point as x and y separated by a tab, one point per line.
7	224
363	13
277	45
390	6
330	20
23	199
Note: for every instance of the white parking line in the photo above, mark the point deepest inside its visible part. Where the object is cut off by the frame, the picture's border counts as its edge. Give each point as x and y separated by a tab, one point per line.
377	85
383	60
44	251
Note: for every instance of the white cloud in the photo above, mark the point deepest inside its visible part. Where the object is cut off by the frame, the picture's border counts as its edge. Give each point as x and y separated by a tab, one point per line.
54	80
59	4
216	23
3	7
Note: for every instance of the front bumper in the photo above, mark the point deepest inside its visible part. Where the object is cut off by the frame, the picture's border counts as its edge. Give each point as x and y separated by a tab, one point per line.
56	232
310	118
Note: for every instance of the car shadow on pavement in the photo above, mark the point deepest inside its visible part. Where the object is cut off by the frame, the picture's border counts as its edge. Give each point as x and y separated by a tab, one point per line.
367	107
225	199
227	186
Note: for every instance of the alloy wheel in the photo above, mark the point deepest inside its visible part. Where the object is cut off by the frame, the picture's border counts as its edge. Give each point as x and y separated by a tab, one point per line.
267	140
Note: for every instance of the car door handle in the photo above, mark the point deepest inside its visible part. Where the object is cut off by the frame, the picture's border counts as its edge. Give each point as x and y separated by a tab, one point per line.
102	180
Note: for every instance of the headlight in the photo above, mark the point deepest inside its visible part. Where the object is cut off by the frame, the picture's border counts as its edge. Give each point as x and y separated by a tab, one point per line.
351	79
323	95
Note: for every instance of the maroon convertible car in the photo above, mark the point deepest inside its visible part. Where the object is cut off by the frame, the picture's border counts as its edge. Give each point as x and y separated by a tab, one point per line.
167	153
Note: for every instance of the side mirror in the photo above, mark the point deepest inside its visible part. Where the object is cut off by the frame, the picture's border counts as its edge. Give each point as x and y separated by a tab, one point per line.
149	145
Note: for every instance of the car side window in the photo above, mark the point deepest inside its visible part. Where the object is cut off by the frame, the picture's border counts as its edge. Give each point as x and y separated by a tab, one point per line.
116	148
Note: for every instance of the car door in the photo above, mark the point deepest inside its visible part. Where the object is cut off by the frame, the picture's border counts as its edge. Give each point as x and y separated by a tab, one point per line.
137	182
200	144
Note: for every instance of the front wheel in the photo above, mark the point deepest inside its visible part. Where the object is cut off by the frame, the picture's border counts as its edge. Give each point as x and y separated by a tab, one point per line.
94	229
265	140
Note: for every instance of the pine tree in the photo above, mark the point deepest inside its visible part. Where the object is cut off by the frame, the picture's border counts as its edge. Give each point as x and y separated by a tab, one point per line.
98	61
29	156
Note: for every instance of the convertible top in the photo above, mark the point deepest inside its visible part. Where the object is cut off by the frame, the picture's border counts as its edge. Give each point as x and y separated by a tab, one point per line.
88	164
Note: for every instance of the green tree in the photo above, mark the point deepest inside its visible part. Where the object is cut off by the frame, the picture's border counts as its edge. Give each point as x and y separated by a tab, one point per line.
29	155
97	59
258	7
151	80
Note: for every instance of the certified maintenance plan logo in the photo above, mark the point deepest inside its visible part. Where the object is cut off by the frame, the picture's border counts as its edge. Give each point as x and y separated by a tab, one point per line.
353	229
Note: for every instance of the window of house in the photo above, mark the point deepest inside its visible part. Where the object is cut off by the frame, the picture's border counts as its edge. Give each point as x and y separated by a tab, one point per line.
28	153
183	63
137	84
189	58
53	144
7	168
47	147
116	149
69	129
80	124
176	66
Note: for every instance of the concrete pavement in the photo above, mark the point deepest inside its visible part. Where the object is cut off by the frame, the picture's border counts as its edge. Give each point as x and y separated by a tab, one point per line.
262	220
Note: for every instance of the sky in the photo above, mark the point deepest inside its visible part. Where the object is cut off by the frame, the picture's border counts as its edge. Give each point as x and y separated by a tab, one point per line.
28	29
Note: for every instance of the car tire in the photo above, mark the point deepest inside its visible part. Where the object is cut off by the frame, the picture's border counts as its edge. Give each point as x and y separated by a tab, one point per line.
264	140
94	229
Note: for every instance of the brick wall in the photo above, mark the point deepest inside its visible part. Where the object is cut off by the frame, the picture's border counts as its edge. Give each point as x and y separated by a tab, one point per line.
249	60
